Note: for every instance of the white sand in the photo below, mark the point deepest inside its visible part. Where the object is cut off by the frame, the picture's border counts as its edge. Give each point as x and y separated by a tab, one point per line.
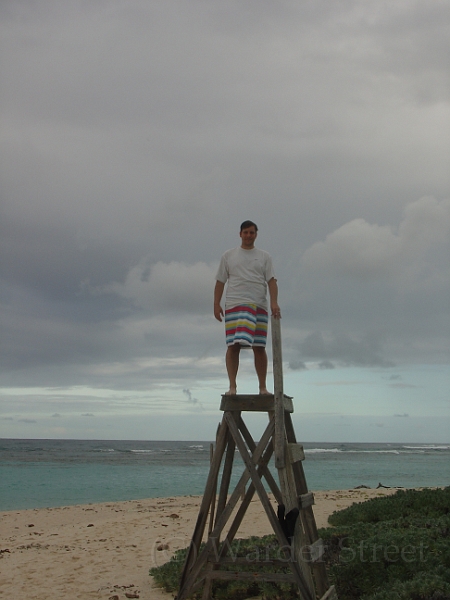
104	551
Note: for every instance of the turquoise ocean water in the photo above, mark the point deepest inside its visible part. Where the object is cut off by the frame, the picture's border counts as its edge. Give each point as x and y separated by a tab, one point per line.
48	473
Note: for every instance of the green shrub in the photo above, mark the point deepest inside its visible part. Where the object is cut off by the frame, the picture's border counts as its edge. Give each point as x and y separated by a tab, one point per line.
254	548
388	548
167	576
392	548
424	586
427	502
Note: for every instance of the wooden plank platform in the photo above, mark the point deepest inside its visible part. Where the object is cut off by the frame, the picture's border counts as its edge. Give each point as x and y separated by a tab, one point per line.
254	403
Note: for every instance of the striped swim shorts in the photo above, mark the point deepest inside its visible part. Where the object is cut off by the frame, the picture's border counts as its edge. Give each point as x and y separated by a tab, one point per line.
246	325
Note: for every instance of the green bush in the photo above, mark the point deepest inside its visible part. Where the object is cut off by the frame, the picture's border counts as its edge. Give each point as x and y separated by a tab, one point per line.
388	548
167	576
424	586
392	548
426	503
254	548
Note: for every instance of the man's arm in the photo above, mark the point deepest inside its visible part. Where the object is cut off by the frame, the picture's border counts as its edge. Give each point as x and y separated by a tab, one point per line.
273	293
218	292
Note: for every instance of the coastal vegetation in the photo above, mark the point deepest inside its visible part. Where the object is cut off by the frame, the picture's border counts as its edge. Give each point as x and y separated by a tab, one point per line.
389	548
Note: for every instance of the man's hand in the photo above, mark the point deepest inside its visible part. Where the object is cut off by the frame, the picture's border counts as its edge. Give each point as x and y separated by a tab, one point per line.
218	291
218	312
276	312
273	293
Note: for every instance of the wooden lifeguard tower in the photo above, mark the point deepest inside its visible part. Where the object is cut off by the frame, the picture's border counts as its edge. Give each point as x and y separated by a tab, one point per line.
302	553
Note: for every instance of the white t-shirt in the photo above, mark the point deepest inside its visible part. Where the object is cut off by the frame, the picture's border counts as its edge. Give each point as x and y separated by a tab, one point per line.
247	273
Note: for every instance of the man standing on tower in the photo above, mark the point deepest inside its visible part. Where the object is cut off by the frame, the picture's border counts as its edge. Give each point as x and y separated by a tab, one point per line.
249	273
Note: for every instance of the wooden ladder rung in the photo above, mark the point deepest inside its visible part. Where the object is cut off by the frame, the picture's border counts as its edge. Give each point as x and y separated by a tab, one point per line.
330	594
240	560
253	576
296	452
306	500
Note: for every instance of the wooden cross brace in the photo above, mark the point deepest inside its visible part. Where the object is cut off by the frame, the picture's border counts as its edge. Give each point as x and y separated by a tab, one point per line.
201	566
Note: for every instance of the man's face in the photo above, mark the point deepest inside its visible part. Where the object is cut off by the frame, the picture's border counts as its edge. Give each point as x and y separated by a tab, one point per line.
248	237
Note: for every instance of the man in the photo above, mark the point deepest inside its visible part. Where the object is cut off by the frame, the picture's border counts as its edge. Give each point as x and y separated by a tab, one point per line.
249	273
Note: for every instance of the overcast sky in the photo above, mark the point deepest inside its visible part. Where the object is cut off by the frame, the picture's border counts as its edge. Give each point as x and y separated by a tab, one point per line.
136	137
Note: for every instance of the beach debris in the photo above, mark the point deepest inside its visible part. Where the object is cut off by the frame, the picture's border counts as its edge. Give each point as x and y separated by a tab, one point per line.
30	525
362	487
174	516
162	547
380	485
90	525
33	545
130	594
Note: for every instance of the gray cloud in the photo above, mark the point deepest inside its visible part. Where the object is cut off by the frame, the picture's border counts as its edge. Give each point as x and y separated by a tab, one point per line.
137	137
174	286
359	249
341	347
297	365
326	364
191	399
377	293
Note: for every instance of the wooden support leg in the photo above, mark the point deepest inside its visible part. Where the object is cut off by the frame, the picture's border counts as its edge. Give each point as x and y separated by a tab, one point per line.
306	514
193	569
213	499
226	475
205	505
304	586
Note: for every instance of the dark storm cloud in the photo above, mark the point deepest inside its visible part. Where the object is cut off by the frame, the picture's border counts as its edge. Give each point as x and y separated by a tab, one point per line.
56	263
377	294
136	137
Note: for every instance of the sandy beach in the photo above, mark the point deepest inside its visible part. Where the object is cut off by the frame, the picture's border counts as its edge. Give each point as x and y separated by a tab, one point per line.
104	551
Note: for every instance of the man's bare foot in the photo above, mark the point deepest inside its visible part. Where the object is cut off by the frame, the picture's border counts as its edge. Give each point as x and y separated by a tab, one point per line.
264	392
231	392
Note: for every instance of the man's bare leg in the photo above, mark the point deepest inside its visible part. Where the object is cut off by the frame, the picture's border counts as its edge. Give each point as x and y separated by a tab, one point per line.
232	364
261	368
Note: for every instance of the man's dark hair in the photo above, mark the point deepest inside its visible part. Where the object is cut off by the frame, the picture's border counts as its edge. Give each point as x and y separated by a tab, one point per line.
247	224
